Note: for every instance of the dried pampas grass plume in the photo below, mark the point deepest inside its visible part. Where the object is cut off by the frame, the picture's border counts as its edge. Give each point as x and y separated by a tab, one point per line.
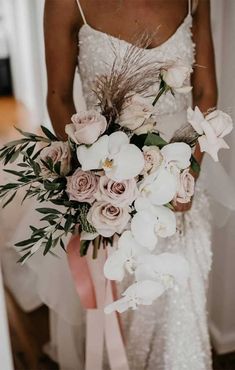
132	72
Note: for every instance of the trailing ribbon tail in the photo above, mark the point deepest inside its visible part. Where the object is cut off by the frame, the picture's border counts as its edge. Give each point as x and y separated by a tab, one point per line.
94	292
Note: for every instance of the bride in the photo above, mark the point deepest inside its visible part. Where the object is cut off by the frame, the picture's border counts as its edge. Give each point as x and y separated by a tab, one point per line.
171	334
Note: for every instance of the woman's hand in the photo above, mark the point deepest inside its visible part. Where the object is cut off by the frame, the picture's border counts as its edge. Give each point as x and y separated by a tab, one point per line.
182	207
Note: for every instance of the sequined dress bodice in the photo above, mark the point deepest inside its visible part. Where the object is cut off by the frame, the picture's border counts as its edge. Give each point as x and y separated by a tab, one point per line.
96	56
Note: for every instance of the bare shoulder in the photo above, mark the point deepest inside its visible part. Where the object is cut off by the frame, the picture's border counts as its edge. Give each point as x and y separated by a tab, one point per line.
62	13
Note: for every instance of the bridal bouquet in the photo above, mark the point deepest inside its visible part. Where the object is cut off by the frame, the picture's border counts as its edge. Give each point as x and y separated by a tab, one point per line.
115	179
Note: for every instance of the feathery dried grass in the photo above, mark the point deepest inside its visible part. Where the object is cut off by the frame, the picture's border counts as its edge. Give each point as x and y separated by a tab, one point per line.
131	73
185	134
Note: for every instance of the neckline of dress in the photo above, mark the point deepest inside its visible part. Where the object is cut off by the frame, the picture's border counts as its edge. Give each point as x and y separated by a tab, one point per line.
188	17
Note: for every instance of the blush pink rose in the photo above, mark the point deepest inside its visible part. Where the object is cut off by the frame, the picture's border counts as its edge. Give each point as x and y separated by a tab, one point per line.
58	151
86	127
153	159
107	218
121	193
186	187
81	186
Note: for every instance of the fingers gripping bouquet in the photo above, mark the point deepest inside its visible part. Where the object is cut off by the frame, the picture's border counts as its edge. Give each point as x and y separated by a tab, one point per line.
115	180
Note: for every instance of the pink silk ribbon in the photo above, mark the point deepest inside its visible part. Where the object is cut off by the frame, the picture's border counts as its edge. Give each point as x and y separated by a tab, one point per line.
95	292
81	274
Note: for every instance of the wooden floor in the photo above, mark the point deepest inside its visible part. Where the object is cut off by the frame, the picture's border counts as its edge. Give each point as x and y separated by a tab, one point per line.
27	339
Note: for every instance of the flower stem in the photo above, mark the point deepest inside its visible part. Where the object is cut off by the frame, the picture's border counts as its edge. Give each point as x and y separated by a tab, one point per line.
96	247
160	92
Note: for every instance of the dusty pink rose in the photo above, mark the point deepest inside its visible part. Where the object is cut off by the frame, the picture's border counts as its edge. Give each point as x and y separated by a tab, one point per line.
86	127
121	193
185	187
153	159
107	218
81	186
58	151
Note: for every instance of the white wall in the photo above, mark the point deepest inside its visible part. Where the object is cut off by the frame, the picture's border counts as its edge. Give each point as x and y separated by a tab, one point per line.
20	20
222	289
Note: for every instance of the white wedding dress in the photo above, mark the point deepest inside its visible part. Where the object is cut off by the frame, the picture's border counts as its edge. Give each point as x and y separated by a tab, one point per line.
171	334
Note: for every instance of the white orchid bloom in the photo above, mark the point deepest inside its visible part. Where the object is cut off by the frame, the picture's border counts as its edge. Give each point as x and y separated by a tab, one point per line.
159	187
124	258
151	222
114	154
140	293
212	129
168	268
177	154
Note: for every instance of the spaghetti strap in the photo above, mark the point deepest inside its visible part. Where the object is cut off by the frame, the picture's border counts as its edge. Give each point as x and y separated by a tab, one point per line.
81	12
190	7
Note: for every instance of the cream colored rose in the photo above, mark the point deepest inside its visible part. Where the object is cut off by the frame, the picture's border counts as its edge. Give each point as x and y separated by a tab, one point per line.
81	186
86	127
148	126
122	193
107	218
221	122
153	159
211	129
58	151
185	187
176	75
135	111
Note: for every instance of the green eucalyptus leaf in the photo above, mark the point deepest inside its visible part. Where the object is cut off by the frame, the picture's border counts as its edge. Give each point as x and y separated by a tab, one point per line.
195	165
30	150
49	134
139	140
68	223
24	257
84	245
154	139
48	245
48	210
62	245
26	242
10	199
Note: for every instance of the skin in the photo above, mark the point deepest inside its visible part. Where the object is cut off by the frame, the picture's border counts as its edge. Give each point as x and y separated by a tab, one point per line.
62	21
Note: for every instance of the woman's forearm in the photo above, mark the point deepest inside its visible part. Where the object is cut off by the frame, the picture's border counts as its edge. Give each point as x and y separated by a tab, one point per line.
60	111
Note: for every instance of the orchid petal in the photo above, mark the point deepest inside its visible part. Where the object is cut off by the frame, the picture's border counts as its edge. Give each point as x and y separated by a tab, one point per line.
165	266
127	163
114	266
116	141
166	221
140	293
142	203
121	305
159	187
91	157
212	149
124	257
177	153
195	117
143	229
